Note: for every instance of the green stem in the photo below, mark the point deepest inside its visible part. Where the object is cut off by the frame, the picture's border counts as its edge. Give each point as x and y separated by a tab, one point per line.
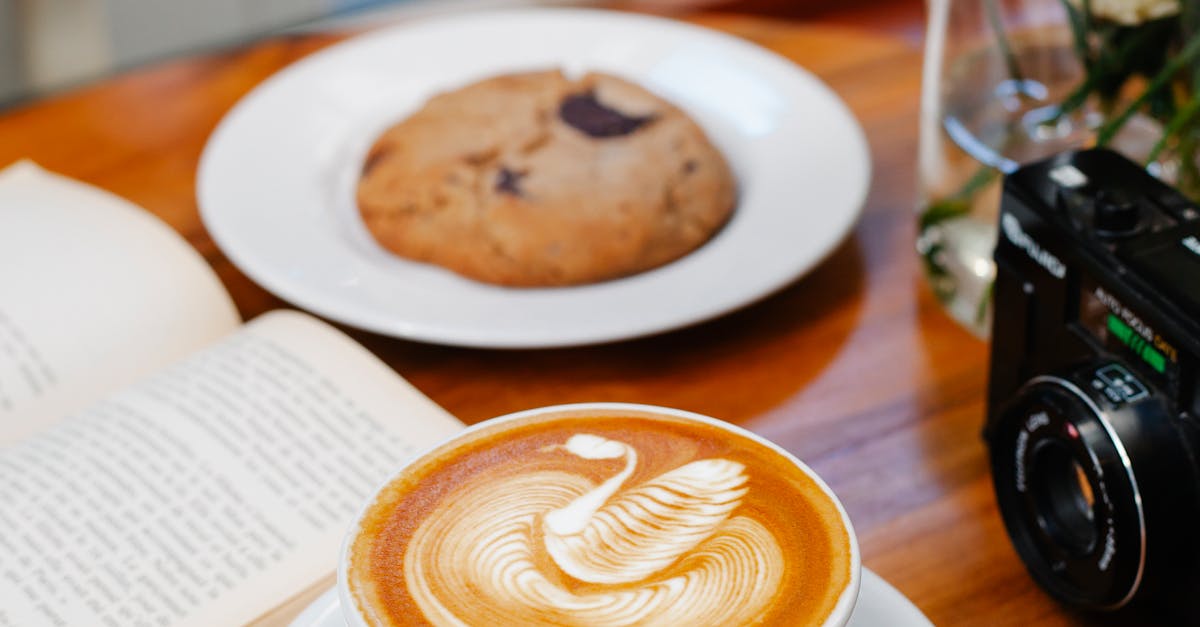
1010	59
1189	22
1113	126
1077	97
1181	120
985	303
1096	71
1078	33
981	178
959	203
1189	170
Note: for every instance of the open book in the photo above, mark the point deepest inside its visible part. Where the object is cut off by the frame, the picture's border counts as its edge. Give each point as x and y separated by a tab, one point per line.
160	463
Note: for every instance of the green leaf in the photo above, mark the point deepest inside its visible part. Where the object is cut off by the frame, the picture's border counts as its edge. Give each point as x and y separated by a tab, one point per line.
943	210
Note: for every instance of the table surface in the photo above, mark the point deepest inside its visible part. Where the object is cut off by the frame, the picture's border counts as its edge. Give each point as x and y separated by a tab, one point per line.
853	368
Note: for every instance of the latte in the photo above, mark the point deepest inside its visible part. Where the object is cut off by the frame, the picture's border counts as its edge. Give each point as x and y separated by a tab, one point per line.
601	516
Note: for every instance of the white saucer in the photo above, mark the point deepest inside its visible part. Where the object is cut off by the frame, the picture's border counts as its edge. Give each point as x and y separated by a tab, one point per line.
879	605
276	180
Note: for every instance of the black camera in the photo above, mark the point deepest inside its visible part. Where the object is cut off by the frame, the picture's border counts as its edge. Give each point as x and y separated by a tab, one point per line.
1094	389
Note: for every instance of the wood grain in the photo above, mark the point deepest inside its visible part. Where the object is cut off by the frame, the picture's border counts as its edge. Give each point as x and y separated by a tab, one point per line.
853	368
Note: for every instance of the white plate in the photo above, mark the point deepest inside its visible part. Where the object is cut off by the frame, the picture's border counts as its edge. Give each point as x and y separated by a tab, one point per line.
276	181
879	605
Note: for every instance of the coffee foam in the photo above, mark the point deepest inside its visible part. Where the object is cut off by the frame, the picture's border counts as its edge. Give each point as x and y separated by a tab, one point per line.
600	520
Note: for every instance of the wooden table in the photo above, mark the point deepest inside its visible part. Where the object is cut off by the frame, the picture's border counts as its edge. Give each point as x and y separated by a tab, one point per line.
854	368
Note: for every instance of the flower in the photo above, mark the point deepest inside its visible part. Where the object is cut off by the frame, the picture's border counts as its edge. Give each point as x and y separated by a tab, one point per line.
1132	12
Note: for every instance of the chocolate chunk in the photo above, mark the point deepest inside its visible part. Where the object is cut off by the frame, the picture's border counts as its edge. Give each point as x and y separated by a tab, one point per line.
509	181
590	117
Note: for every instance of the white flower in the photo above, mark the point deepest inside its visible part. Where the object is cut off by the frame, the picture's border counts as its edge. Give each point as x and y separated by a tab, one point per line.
1132	12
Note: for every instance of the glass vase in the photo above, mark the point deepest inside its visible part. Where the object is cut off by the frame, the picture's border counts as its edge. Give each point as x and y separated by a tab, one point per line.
1007	82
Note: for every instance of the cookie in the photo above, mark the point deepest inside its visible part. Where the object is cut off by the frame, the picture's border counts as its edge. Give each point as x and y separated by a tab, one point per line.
537	180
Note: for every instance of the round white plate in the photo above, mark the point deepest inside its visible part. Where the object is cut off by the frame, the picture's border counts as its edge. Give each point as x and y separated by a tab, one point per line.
879	605
276	180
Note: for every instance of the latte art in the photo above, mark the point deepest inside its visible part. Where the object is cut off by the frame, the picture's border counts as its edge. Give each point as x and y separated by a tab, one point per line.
666	551
601	539
600	521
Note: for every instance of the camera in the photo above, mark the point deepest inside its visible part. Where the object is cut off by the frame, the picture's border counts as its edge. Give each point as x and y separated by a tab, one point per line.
1094	389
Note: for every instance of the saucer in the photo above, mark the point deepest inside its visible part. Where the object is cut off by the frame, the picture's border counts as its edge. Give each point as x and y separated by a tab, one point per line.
879	604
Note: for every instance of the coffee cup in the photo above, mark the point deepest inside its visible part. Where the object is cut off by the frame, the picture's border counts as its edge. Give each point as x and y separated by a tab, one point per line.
601	514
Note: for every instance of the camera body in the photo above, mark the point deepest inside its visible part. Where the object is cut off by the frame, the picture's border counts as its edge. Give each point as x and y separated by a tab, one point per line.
1094	387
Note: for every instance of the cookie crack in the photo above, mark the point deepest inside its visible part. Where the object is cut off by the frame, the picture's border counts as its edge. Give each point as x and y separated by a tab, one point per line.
482	158
539	141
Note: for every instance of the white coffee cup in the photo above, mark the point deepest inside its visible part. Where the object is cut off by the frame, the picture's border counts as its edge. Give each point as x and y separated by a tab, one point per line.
846	599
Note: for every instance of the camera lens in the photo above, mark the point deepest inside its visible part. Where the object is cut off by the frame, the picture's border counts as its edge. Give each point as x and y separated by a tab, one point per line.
1063	498
1066	489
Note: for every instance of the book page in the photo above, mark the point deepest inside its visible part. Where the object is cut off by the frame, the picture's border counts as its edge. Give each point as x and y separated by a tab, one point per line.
210	493
95	293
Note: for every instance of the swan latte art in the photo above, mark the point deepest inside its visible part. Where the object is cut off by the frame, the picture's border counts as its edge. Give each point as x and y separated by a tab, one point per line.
604	518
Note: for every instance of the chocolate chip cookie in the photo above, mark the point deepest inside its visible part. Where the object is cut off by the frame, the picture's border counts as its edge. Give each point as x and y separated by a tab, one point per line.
535	179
